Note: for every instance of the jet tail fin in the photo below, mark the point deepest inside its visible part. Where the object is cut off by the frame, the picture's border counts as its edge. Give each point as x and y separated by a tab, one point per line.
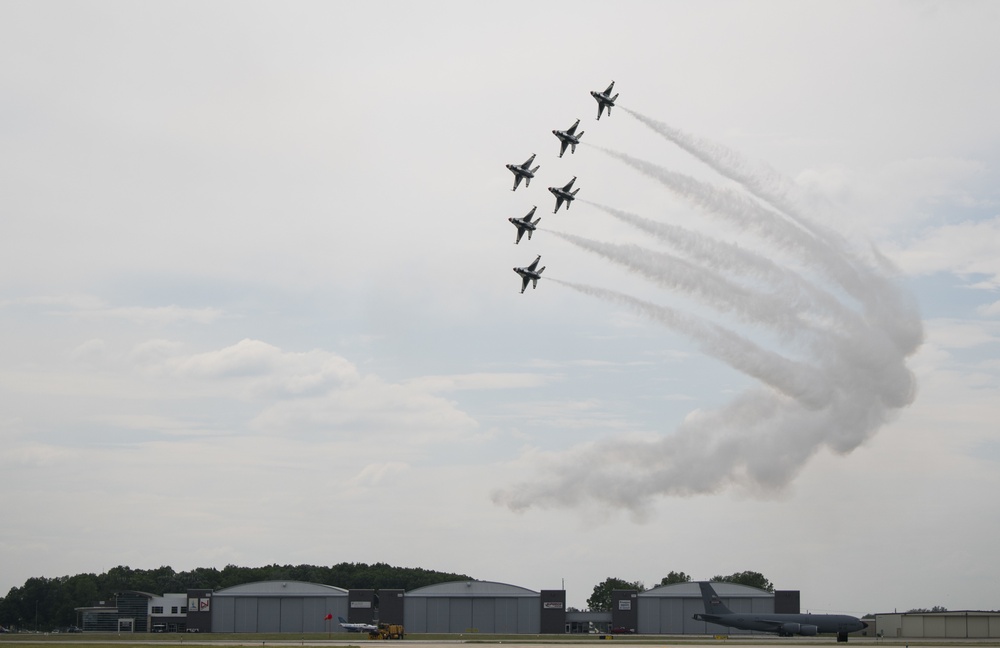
713	604
541	271
536	168
615	98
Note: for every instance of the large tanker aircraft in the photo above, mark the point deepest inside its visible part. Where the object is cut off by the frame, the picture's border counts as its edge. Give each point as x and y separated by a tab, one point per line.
784	625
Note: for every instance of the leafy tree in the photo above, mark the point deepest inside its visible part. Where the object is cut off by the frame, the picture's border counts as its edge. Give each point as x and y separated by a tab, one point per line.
936	608
674	577
600	600
751	578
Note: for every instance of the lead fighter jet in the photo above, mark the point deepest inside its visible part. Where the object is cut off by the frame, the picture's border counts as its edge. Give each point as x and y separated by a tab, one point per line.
530	274
563	194
604	99
523	171
524	224
568	137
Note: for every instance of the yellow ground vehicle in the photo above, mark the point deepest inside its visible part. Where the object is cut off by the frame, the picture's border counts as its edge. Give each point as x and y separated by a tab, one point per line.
387	631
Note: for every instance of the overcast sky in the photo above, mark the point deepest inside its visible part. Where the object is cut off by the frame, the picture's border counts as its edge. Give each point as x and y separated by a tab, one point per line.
257	306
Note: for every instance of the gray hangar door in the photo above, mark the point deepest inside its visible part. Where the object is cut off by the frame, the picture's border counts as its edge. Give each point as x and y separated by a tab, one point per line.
268	615
224	615
661	615
460	615
291	614
245	614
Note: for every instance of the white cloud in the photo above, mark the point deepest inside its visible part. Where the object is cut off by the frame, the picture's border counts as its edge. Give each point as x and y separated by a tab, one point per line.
967	248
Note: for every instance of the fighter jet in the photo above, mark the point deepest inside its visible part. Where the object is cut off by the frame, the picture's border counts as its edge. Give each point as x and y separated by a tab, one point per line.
523	171
568	137
784	625
525	225
604	99
530	274
563	194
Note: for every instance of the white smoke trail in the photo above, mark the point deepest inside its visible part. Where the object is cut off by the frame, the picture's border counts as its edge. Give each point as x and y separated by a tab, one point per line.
853	379
714	289
800	382
745	213
745	264
768	185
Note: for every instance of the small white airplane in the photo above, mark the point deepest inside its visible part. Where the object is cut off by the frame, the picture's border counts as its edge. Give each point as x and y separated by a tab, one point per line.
356	627
568	137
604	99
563	194
525	224
530	274
523	171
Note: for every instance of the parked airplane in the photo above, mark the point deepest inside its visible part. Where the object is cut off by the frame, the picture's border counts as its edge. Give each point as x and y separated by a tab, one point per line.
604	99
784	625
525	225
563	194
523	171
356	627
530	274
568	137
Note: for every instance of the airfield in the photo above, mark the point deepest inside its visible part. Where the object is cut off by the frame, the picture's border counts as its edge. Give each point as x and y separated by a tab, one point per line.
452	641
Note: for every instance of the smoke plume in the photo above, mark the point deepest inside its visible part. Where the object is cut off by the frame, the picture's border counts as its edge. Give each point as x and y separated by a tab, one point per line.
853	328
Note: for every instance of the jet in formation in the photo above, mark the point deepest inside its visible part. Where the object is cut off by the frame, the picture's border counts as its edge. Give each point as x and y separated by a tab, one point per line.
604	99
530	274
784	625
568	137
564	194
525	224
356	627
523	172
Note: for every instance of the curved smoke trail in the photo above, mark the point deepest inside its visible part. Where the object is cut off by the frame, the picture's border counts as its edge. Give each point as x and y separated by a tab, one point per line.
853	379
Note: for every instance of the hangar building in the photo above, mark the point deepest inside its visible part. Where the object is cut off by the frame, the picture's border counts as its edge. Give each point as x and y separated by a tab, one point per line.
939	625
277	606
478	606
669	609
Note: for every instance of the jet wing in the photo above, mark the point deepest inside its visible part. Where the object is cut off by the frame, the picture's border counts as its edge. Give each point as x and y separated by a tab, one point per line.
572	129
771	622
528	162
562	146
524	283
534	264
569	185
610	88
517	181
520	233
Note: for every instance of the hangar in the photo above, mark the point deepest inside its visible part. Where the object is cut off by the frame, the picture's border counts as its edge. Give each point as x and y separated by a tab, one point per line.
669	609
474	606
939	625
277	606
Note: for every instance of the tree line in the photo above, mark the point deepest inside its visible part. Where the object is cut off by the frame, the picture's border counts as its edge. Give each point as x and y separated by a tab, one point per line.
47	603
